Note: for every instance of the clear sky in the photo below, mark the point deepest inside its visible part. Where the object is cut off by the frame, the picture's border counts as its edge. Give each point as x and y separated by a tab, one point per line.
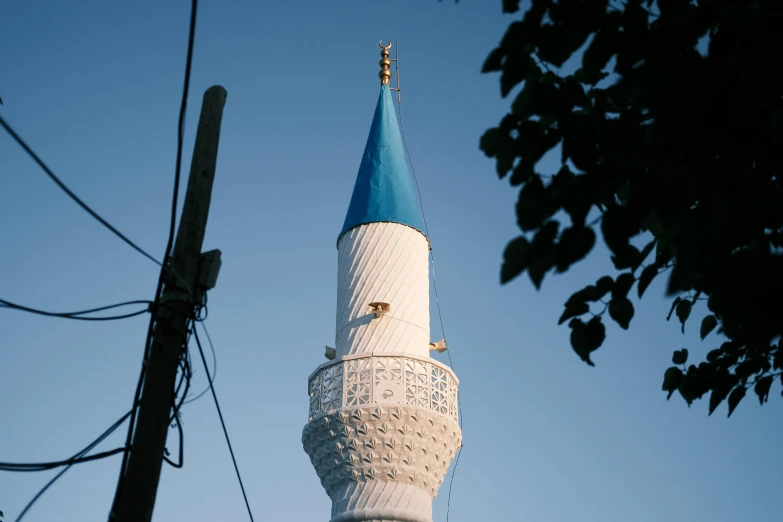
94	87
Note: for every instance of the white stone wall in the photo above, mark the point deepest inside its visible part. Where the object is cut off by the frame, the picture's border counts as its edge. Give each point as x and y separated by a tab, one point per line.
385	262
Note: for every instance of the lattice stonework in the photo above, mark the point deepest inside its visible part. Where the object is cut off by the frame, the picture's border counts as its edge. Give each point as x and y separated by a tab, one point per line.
388	369
417	388
358	381
453	402
384	379
315	395
332	388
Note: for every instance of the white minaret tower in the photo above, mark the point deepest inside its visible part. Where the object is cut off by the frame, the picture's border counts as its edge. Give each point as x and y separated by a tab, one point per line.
383	428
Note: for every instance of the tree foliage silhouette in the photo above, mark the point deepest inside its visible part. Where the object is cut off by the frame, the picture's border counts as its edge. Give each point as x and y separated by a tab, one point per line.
671	154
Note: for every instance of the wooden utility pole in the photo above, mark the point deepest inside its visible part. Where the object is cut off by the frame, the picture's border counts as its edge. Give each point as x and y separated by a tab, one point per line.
136	498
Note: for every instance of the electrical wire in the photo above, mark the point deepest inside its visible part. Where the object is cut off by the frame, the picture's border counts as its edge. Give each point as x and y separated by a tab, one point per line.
76	459
176	414
169	245
78	315
70	193
437	301
451	483
181	462
214	365
426	229
223	424
46	466
73	461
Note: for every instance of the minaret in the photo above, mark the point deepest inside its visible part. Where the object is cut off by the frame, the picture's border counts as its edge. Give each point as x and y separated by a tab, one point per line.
383	428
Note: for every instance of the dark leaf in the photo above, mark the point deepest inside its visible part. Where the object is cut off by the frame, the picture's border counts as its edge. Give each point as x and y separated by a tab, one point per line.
762	388
595	333
604	285
586	338
518	63
574	310
556	45
504	158
646	250
521	107
489	141
517	67
683	275
618	226
541	255
592	292
717	396
578	342
597	55
714	355
621	310
522	172
514	259
736	396
494	61
683	312
680	356
672	379
713	304
627	256
674	305
575	243
622	285
573	193
536	270
708	324
532	210
648	274
546	121
510	6
748	367
579	143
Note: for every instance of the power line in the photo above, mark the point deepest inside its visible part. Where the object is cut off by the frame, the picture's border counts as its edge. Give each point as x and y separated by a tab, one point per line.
80	314
214	365
437	301
176	415
46	466
75	460
70	193
426	229
169	245
223	424
451	483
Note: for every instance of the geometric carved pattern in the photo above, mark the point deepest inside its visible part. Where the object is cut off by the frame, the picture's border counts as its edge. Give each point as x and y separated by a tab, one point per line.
332	388
358	381
401	444
384	379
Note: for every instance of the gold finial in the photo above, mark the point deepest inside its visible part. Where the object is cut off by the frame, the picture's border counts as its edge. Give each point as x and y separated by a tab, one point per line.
385	63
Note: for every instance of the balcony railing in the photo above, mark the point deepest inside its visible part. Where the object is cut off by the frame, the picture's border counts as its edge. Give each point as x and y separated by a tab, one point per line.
357	380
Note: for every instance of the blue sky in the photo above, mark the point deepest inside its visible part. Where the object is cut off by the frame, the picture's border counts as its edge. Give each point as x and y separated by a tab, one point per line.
94	87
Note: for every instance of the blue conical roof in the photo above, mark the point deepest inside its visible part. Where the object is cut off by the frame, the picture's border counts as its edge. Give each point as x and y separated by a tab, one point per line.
384	190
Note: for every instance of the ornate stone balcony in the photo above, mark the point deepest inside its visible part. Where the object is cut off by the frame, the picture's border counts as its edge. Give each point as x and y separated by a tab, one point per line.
394	378
390	419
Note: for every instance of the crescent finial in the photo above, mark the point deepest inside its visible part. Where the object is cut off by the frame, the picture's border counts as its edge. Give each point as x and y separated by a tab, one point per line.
385	73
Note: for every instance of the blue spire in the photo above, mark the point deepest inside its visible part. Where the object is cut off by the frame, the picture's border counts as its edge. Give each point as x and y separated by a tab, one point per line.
384	190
